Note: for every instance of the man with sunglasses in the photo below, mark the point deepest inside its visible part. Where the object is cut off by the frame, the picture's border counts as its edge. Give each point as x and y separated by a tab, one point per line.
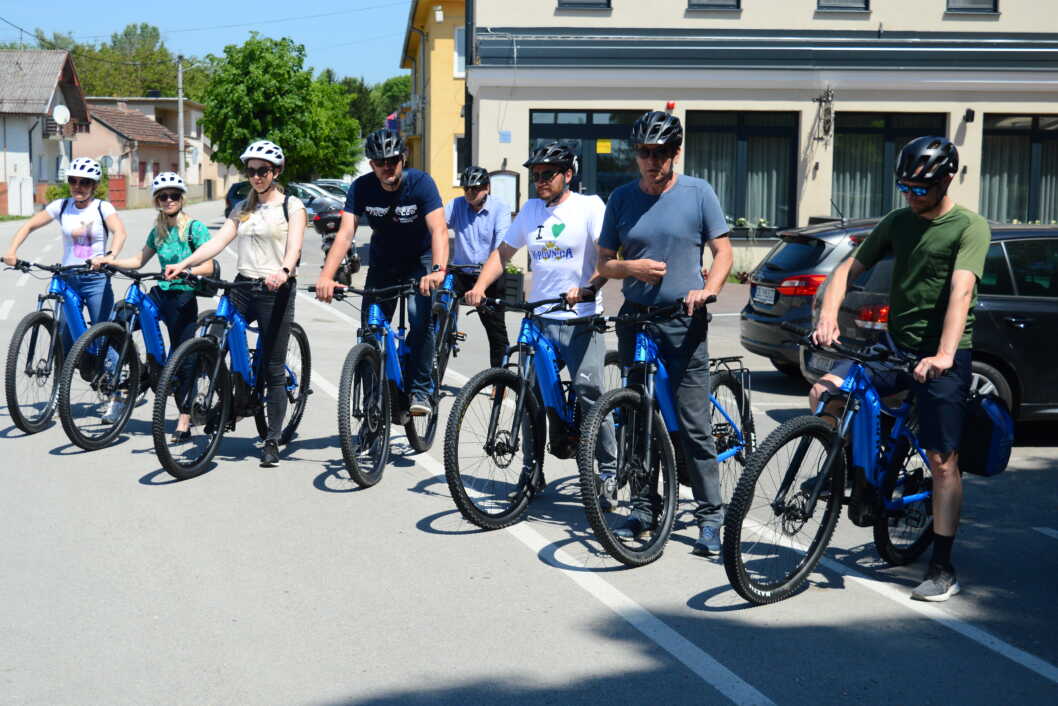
662	223
479	221
939	250
409	231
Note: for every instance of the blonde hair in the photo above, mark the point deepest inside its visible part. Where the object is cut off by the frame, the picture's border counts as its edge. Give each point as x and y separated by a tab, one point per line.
161	226
252	199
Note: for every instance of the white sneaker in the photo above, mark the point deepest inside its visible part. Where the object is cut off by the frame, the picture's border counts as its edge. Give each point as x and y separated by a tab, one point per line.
114	411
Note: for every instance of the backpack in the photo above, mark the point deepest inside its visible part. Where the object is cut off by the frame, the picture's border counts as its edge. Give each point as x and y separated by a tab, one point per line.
204	289
987	436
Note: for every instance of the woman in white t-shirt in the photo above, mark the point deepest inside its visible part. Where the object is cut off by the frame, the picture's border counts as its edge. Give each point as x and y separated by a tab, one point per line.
86	224
561	229
268	229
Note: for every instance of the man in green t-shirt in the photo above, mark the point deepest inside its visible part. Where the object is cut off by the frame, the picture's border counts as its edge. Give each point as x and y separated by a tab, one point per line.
939	250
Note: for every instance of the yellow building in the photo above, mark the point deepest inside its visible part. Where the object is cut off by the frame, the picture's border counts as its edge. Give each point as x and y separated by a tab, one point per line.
432	121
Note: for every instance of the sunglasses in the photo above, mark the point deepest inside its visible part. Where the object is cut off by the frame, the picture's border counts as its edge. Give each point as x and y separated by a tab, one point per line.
916	190
546	175
659	153
259	172
170	196
387	162
74	181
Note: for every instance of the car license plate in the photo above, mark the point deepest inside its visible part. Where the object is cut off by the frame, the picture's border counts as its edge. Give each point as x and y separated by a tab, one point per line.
819	362
332	226
764	295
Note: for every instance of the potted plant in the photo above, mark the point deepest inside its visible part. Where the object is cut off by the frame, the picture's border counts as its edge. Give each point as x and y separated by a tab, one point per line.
512	283
741	228
764	229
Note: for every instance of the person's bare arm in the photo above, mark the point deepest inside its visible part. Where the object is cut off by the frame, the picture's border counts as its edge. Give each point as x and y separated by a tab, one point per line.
343	240
37	220
117	228
723	258
649	271
490	272
435	221
827	331
133	262
213	247
962	293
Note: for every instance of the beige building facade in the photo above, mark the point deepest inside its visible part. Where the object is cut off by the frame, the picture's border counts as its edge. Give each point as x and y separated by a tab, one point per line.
793	109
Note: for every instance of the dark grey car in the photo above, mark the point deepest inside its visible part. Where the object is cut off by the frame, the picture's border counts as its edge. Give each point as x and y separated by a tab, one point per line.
783	284
1015	344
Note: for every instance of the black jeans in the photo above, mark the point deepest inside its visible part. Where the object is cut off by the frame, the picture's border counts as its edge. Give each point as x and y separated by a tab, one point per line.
273	312
682	346
178	310
494	321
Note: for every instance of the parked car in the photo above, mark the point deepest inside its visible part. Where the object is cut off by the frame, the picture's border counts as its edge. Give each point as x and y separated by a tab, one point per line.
236	193
1016	320
336	187
316	200
326	222
783	284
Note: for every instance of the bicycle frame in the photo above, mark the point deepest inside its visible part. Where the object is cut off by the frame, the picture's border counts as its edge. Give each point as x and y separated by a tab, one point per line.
392	344
145	312
67	312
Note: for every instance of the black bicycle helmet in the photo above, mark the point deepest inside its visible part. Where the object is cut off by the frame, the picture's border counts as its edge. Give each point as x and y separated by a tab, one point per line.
473	176
927	159
383	144
657	128
553	153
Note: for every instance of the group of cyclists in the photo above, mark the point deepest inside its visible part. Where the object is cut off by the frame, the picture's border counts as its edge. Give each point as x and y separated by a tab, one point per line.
651	235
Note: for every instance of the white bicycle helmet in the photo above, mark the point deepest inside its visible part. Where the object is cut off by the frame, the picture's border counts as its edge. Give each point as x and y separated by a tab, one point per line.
86	168
167	180
263	149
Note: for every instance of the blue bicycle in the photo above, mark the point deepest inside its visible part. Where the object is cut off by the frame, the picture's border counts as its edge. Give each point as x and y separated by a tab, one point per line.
650	461
197	381
447	336
36	353
789	498
374	389
494	442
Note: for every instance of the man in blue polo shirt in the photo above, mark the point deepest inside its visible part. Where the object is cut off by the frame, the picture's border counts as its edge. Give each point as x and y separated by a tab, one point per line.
408	227
479	220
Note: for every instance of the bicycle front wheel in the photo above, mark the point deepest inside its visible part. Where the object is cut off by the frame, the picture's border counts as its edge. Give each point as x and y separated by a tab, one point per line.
901	534
99	387
774	535
363	415
615	492
298	373
730	421
183	400
32	373
492	478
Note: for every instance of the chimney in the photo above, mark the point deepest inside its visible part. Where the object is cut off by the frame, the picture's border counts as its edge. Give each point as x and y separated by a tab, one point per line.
122	105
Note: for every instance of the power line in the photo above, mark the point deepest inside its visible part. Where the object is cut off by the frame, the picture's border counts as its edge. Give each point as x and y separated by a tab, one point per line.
52	45
287	19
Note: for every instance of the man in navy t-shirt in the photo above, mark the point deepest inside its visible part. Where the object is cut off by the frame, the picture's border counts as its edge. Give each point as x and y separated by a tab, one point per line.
407	220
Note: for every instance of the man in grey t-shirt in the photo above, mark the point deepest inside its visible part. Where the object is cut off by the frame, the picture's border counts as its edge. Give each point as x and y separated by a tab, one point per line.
662	222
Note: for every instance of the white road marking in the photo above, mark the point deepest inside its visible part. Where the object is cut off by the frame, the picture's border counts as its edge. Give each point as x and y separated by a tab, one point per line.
900	596
733	313
323	384
1053	534
48	247
5	308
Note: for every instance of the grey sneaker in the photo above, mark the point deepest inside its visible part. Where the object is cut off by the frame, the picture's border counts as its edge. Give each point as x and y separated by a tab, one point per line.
114	411
633	528
607	489
939	585
708	540
420	408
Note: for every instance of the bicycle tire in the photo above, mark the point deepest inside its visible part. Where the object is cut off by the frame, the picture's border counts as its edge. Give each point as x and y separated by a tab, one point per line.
296	399
511	506
422	440
204	351
362	359
898	548
76	362
31	424
612	371
632	401
725	386
736	564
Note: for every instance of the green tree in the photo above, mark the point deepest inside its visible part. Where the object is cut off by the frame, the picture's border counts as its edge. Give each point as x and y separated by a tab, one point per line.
336	134
362	104
392	93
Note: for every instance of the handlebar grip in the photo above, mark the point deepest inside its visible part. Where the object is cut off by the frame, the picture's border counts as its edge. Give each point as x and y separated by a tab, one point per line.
711	299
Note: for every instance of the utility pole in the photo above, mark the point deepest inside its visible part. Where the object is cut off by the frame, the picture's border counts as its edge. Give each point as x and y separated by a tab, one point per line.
180	114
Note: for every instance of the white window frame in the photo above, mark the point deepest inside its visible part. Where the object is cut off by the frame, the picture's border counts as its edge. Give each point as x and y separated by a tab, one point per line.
455	159
459	52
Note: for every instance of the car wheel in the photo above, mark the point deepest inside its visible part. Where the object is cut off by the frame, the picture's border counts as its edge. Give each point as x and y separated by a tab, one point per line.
787	368
987	380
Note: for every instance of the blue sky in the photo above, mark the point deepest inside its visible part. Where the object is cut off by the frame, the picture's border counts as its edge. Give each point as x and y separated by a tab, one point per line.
355	37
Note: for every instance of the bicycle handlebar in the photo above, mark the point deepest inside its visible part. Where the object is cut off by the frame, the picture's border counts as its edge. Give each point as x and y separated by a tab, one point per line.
861	355
396	290
222	283
26	266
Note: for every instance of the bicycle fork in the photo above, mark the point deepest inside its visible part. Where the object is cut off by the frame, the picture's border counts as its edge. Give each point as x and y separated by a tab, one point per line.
779	505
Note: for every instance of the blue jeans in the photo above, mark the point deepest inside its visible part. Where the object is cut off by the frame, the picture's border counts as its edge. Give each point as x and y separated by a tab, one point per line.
420	332
94	289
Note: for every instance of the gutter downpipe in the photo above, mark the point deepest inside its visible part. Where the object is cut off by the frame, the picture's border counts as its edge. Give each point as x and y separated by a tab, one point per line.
421	63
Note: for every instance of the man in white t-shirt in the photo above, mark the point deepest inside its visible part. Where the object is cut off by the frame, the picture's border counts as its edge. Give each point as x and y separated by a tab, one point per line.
561	229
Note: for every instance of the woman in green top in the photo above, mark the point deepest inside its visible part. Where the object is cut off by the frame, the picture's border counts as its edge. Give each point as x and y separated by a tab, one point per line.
174	237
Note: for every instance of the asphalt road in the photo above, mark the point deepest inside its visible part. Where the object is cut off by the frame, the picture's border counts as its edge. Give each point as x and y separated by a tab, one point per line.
291	586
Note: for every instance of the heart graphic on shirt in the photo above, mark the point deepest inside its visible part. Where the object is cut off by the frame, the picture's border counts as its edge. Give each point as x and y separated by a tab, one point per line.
556	230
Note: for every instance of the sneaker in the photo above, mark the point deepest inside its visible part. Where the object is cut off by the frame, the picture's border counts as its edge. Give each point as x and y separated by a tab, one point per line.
708	540
939	585
606	487
420	407
270	454
633	528
180	437
114	411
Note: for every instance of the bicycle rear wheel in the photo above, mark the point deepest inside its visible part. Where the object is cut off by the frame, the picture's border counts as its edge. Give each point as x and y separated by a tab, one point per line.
364	415
654	484
98	388
491	479
773	538
298	371
901	535
32	376
182	389
727	389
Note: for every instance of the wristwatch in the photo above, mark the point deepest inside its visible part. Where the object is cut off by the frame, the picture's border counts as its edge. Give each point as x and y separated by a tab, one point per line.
438	268
287	270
